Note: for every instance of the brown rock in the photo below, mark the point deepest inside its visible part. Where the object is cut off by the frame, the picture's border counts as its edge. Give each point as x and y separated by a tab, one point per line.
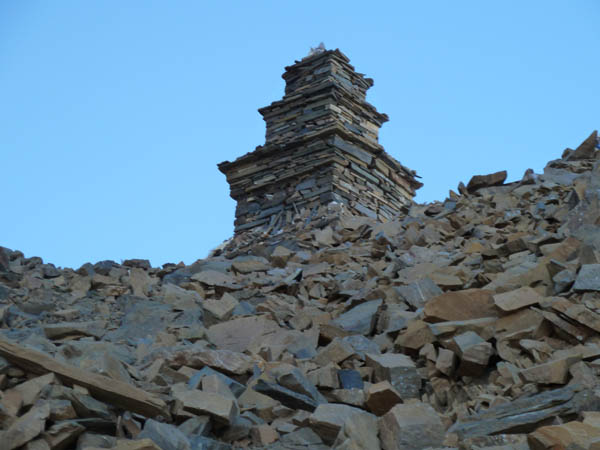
336	352
551	372
517	299
219	310
481	181
225	360
568	435
381	397
416	335
461	305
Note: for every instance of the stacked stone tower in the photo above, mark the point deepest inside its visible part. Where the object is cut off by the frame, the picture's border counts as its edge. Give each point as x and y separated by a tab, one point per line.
321	146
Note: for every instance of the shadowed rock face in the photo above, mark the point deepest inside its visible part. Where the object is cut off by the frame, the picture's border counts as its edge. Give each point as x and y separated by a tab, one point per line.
468	323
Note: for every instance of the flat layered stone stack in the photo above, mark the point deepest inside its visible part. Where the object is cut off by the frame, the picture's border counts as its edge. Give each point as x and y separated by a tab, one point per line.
321	147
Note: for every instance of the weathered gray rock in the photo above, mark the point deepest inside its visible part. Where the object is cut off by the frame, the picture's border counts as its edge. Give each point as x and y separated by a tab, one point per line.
286	396
26	427
418	292
166	436
399	370
523	414
360	319
588	278
224	409
328	419
411	426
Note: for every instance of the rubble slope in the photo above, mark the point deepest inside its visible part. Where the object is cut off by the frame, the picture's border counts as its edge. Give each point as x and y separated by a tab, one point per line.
469	323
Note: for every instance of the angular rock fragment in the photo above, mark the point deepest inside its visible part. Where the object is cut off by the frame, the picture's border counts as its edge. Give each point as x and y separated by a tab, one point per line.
381	397
481	181
328	419
461	305
399	370
588	278
517	299
222	408
360	319
411	427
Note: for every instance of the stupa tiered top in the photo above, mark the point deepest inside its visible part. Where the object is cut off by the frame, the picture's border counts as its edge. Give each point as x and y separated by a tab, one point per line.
321	146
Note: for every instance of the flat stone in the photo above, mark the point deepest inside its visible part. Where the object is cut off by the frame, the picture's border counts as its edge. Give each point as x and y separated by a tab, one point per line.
517	299
419	292
522	413
94	328
242	333
588	278
481	181
461	305
286	396
222	408
399	370
360	319
225	360
568	435
247	264
551	372
411	426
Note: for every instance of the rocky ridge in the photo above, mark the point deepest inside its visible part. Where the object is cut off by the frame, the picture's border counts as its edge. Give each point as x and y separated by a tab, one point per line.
472	323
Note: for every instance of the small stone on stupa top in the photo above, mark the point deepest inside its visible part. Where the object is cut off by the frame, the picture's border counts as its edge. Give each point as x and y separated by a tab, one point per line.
315	50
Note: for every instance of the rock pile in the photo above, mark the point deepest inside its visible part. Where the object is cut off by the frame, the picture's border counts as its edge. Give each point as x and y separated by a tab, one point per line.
472	323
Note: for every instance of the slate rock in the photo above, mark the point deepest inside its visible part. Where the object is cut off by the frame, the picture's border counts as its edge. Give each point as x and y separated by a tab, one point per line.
360	319
286	396
419	292
350	379
588	278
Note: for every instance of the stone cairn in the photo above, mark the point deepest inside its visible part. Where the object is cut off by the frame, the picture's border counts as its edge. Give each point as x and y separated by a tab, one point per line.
321	147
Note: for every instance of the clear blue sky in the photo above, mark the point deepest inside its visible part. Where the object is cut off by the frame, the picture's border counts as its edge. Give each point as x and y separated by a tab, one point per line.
114	114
